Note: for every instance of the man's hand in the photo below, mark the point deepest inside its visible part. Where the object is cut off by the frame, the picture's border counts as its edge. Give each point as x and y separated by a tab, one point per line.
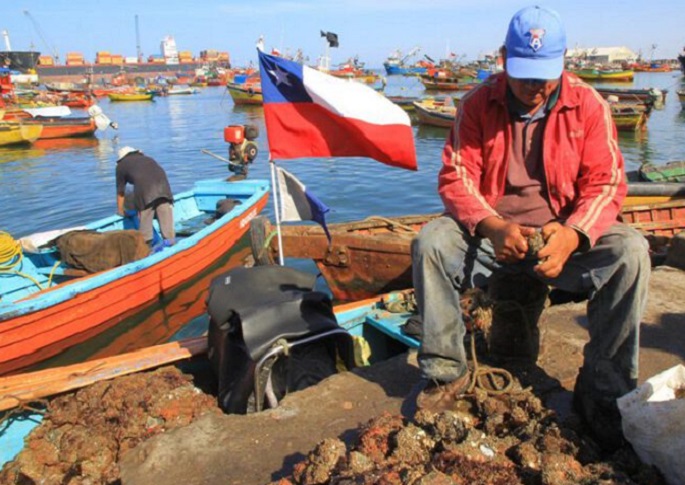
120	205
508	239
560	242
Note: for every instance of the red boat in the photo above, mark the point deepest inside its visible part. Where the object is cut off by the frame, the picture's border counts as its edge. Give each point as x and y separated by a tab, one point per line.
55	127
78	101
59	306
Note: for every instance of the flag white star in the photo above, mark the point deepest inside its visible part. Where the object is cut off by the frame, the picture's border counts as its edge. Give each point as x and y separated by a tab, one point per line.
280	76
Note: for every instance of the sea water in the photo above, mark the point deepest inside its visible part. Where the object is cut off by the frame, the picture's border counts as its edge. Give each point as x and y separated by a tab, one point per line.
62	183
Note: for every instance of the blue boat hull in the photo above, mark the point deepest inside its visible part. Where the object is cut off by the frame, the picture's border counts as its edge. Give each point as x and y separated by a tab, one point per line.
404	71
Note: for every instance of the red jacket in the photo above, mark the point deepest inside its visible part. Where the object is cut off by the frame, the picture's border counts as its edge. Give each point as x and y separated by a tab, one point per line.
583	164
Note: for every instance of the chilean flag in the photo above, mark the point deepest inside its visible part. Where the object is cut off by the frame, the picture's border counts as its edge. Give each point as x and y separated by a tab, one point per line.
311	114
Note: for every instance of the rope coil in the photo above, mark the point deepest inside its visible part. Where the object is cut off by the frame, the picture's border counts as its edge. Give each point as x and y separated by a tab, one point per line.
12	256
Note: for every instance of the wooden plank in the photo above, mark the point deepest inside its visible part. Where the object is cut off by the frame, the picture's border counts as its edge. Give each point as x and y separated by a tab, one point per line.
21	388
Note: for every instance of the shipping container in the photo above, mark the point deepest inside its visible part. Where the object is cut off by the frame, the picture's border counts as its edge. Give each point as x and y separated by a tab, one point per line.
46	61
74	59
209	55
103	58
156	59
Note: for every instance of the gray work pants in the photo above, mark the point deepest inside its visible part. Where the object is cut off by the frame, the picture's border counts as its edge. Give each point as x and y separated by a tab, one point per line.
164	212
447	259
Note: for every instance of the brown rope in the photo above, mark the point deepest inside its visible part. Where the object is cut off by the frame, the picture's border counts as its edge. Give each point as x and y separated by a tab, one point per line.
23	406
392	224
490	373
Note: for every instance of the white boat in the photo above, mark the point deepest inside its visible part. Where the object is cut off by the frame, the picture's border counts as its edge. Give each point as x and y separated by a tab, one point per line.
188	90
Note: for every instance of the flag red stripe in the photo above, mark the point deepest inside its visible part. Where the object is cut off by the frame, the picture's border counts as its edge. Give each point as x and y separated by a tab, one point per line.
298	130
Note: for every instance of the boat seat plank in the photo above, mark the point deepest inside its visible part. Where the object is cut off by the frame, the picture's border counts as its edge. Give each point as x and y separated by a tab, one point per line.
389	324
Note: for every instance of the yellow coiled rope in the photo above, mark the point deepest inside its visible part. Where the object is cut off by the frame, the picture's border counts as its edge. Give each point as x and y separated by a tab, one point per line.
10	252
11	256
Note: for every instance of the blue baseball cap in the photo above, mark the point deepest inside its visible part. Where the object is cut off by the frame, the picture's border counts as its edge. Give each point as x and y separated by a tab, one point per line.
536	44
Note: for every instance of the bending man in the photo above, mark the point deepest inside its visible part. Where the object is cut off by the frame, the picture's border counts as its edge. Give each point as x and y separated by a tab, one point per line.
151	192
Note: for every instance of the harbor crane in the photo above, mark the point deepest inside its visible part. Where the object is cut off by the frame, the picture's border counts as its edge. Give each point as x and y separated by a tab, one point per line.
36	26
410	54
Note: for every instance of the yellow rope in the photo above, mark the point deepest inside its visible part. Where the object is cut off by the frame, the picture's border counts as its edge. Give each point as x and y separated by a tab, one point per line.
10	252
11	256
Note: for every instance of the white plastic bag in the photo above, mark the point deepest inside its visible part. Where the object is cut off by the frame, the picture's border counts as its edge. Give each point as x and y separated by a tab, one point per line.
654	422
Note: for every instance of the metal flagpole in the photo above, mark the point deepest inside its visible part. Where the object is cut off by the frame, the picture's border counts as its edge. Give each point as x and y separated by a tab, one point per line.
277	210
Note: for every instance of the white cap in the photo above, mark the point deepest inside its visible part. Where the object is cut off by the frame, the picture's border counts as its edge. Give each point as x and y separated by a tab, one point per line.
125	151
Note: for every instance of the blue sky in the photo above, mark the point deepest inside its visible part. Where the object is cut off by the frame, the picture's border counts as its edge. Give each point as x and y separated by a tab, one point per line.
371	29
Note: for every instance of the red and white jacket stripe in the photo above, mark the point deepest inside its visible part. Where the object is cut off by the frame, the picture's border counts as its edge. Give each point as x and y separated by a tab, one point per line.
584	167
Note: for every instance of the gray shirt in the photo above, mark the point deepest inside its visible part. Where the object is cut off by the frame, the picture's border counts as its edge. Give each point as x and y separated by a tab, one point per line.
150	183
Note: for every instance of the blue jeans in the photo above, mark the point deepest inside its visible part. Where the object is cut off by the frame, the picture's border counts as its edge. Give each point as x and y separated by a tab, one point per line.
615	272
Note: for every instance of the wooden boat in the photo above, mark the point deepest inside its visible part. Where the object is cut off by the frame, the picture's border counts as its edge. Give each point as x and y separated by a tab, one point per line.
646	95
404	102
14	133
368	320
652	67
673	171
57	87
55	127
102	92
17	113
630	117
612	75
371	256
44	303
435	84
435	113
130	96
681	98
355	71
245	93
450	78
78	101
181	91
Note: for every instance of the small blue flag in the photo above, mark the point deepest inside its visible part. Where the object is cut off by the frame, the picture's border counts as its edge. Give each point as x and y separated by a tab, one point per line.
297	203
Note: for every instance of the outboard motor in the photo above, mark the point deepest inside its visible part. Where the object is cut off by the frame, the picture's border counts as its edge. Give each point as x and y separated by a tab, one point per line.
242	148
270	334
